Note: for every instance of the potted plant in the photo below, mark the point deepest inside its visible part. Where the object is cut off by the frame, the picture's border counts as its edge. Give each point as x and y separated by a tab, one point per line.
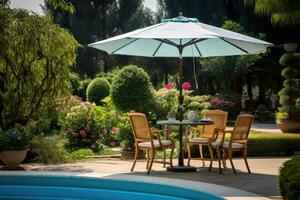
288	118
13	147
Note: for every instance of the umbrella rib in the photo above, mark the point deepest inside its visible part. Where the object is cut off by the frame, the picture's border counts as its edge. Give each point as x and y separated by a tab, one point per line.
167	42
243	50
125	45
157	49
200	54
194	41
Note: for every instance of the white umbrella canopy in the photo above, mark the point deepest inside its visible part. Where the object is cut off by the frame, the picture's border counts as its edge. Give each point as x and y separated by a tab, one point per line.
197	39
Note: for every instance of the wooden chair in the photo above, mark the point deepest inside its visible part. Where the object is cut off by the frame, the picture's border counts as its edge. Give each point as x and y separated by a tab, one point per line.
238	139
144	140
210	135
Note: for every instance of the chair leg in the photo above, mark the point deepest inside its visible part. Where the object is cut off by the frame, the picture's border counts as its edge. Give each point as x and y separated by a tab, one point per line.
171	157
224	157
135	156
164	158
211	157
231	162
148	158
201	154
245	158
189	153
152	159
219	158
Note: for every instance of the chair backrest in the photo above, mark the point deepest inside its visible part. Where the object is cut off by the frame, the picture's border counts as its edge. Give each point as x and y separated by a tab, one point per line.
220	119
139	126
241	128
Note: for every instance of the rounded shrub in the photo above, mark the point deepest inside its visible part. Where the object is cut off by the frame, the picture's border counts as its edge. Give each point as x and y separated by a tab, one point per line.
131	90
289	179
97	90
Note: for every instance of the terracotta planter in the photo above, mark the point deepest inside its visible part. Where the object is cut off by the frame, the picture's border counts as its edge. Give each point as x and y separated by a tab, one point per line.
12	158
129	155
289	126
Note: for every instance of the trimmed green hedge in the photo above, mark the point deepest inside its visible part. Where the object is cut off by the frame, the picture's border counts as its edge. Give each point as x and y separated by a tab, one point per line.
289	179
267	144
272	144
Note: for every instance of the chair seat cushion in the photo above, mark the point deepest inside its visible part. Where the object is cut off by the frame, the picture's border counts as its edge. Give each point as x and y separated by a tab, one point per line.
198	140
155	142
216	143
234	145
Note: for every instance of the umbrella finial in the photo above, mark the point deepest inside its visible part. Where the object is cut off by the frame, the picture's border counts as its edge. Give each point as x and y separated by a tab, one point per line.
180	14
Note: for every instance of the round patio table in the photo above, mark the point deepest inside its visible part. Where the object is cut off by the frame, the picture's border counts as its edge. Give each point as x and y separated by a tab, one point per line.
181	167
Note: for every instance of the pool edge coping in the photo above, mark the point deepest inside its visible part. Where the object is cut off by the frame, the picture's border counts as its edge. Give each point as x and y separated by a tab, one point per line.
228	193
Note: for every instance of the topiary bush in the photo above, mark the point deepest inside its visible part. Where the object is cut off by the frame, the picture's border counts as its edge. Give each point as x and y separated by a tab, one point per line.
291	91
132	90
97	90
289	179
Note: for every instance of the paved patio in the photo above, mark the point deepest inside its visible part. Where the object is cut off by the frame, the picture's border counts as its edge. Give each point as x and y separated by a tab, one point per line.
262	181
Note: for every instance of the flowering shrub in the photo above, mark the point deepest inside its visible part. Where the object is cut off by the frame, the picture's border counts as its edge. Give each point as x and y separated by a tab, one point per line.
186	86
81	127
169	86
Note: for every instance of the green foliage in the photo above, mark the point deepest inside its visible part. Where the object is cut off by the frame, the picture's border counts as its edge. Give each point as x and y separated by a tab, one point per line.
132	90
266	144
83	87
81	154
291	91
46	151
14	138
289	179
282	13
32	75
82	128
75	83
125	135
97	90
281	116
228	66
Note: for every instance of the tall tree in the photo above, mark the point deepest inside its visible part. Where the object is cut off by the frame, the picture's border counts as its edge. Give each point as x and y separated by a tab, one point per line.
94	20
31	74
282	12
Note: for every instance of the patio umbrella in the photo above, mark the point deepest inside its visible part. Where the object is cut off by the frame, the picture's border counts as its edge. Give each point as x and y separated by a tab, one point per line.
181	37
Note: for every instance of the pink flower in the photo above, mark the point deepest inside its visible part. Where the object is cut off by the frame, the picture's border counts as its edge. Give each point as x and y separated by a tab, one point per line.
186	86
169	86
113	143
114	129
82	133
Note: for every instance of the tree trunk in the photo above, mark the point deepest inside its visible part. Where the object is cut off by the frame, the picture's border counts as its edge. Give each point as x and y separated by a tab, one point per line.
262	88
249	86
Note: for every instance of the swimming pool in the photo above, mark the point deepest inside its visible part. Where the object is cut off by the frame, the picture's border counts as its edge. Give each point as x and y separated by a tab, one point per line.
64	187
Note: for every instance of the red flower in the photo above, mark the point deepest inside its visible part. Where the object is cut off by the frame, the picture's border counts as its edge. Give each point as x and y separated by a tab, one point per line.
82	133
169	86
186	86
114	129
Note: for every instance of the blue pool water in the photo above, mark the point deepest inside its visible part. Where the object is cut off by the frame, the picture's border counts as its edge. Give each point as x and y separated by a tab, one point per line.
59	187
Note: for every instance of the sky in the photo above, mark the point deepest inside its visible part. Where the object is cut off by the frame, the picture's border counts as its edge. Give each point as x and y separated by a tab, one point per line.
35	5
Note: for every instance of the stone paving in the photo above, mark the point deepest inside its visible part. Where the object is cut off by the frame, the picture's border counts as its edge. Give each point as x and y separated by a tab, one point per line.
262	181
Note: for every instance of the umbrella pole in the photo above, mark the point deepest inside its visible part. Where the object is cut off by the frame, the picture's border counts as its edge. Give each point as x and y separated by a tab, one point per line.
180	100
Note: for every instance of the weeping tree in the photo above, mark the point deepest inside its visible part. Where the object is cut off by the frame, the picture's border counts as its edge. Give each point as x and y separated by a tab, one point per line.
282	12
35	58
